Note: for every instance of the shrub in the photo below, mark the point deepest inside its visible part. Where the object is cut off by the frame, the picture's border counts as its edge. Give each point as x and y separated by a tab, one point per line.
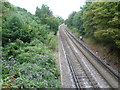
32	67
52	41
108	36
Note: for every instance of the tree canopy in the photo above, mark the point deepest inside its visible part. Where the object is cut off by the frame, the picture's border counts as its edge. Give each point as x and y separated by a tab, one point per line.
98	20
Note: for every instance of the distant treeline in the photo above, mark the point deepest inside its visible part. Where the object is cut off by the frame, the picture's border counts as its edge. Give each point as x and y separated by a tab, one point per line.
98	20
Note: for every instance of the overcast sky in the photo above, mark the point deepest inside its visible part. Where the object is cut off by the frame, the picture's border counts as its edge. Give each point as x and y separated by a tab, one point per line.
59	7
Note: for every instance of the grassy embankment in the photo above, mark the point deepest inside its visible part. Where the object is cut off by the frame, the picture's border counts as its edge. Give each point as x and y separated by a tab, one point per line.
106	52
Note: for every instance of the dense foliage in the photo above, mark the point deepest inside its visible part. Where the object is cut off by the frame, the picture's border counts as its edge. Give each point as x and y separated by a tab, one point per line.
98	20
28	41
46	17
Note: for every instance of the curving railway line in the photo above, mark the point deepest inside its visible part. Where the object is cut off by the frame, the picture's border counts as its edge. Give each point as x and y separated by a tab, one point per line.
87	70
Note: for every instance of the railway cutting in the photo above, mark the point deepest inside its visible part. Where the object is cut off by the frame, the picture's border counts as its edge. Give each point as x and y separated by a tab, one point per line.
79	67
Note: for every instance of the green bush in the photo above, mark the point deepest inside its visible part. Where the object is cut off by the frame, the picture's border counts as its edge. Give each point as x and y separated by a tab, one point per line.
13	47
32	68
27	59
29	75
108	36
52	41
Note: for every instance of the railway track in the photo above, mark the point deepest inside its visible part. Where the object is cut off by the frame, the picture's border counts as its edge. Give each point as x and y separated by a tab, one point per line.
87	72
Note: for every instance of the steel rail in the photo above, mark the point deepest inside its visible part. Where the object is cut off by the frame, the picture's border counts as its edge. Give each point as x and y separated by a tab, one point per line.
71	68
116	74
94	56
90	62
87	75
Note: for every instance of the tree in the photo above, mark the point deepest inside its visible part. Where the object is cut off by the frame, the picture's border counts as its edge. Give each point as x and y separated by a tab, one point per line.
60	19
78	22
46	17
43	12
70	19
98	20
88	19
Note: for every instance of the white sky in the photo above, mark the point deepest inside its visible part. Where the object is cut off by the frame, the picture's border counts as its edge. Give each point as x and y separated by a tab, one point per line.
59	7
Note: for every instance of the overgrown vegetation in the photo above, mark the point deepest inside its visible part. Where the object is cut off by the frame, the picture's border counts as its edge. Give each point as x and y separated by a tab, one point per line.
98	23
98	20
27	42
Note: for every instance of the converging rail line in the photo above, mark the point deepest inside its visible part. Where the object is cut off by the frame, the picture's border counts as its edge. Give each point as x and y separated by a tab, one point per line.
87	71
